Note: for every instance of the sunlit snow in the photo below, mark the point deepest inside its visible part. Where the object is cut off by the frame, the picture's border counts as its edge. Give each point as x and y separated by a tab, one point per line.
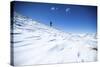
36	43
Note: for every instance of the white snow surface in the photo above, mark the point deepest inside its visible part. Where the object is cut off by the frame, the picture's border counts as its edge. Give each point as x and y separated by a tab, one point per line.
36	43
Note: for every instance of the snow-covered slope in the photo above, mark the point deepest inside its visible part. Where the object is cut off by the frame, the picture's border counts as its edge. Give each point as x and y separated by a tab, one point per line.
36	43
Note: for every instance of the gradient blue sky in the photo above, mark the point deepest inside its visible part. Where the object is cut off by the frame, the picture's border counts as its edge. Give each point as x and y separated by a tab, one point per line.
69	18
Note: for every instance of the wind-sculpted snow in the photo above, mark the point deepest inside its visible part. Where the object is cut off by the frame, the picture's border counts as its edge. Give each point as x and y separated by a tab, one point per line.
36	43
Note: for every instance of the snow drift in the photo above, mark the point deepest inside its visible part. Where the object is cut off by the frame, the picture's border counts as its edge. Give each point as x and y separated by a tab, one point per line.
37	43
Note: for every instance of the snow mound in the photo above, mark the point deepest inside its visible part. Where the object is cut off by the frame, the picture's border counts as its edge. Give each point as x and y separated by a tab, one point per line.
37	43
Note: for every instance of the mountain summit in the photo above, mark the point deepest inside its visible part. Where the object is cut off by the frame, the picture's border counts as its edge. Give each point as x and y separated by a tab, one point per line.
37	43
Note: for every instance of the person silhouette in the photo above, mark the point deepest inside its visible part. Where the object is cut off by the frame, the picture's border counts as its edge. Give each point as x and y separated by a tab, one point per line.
50	24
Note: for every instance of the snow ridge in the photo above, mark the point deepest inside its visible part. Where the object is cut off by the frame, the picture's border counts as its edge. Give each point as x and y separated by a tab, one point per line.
37	43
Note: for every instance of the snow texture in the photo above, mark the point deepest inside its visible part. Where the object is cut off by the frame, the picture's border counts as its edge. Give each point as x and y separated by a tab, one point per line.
36	43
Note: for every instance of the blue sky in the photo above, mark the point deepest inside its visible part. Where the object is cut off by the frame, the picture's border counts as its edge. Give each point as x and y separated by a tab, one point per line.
66	17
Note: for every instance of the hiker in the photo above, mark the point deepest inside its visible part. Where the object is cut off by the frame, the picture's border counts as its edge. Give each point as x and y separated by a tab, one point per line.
50	24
